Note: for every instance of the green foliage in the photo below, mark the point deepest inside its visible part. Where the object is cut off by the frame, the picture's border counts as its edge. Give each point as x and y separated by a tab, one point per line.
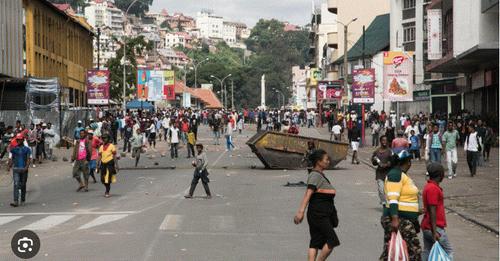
166	25
139	8
135	46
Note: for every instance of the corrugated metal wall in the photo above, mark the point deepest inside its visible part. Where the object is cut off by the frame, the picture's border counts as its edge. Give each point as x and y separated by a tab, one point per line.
11	38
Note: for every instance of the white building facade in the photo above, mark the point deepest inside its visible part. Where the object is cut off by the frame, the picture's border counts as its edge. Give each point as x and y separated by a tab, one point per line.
173	39
210	26
229	33
101	13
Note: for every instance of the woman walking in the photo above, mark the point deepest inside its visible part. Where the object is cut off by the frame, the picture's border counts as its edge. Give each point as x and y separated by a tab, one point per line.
321	211
401	210
108	163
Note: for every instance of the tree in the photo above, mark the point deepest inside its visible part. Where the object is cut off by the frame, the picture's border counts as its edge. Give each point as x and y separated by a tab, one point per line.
139	8
135	46
166	25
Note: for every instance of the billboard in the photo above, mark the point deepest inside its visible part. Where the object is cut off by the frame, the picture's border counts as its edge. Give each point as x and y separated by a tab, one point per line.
98	87
186	99
329	90
363	86
315	76
434	34
155	85
398	76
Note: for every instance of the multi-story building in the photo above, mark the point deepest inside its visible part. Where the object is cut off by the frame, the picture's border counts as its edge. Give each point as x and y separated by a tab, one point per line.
229	33
105	47
100	13
55	44
469	57
173	57
299	96
180	22
11	39
210	25
174	39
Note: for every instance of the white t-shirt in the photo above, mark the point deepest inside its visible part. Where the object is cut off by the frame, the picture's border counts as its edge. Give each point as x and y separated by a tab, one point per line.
175	135
152	128
336	129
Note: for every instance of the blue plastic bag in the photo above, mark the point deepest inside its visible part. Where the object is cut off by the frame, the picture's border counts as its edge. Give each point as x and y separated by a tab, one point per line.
438	253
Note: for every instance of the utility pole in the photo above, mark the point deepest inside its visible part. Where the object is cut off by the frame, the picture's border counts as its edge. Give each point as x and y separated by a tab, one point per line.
346	88
98	48
232	95
363	105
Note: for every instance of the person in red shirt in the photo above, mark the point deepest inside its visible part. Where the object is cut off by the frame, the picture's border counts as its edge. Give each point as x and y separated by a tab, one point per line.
95	143
434	221
400	143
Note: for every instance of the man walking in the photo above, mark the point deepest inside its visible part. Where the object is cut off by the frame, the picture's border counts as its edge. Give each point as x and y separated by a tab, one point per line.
472	148
436	144
200	172
434	221
354	138
82	153
375	133
19	161
381	158
450	140
173	135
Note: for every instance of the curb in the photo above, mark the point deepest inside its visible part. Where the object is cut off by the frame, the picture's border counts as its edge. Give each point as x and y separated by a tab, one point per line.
489	228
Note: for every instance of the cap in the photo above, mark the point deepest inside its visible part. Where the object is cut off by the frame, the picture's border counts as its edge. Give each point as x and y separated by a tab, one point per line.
44	125
91	132
19	136
435	169
79	121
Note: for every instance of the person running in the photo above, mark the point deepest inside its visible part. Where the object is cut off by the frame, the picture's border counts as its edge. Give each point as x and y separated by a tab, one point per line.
450	140
19	162
321	212
434	221
95	144
82	154
200	172
401	210
138	143
472	148
381	158
108	163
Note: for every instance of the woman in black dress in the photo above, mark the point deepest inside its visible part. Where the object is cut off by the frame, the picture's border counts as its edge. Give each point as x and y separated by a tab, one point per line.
321	212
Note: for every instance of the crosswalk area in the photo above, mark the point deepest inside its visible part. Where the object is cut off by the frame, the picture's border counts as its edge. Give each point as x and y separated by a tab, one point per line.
64	221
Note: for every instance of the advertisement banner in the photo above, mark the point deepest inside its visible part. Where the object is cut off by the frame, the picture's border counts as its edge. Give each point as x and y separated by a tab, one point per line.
363	86
186	99
143	77
329	90
398	76
315	76
98	87
169	85
155	86
434	34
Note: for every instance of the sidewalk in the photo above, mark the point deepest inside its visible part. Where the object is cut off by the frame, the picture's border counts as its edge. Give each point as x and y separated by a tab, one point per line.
474	199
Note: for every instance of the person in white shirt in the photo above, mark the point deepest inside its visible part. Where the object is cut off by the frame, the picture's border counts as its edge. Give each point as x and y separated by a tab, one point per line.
173	134
413	127
472	148
152	134
375	133
336	132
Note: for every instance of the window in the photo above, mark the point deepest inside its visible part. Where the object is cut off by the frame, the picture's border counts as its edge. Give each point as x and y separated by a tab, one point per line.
409	34
409	4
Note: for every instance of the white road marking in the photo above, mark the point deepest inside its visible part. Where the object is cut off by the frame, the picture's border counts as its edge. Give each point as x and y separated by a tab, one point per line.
221	223
49	222
69	213
5	220
171	222
102	220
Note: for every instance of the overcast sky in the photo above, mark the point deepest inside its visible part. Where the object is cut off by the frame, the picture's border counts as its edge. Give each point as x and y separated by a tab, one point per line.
247	11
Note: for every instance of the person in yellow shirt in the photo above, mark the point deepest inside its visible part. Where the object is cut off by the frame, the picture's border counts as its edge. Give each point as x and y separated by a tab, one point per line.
401	210
191	137
108	163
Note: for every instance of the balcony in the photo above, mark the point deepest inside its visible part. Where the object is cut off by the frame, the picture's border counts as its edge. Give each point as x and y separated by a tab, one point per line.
333	40
332	6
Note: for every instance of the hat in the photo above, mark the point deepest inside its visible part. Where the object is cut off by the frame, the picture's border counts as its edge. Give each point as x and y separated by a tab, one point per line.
79	122
91	132
434	170
44	125
19	136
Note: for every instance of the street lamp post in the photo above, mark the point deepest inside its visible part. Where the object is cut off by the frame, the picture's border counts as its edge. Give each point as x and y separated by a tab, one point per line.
195	65
125	56
346	27
221	81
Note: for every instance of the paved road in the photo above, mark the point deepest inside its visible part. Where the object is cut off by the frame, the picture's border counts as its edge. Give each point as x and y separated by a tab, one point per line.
250	217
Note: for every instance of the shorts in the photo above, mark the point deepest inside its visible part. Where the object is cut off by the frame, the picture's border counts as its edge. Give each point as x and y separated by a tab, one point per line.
322	231
355	145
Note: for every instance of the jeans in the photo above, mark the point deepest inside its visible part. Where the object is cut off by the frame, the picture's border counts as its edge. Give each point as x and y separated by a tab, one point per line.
126	144
190	148
472	158
216	137
173	150
429	242
435	155
229	142
375	140
380	189
452	159
20	179
183	137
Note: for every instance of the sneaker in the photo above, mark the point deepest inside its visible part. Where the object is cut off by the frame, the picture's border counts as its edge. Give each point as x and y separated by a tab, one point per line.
14	204
34	166
455	175
450	177
106	195
188	196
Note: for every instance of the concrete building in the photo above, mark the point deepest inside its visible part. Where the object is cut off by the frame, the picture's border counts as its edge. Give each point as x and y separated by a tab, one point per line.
229	33
299	95
11	39
210	25
174	39
100	13
469	57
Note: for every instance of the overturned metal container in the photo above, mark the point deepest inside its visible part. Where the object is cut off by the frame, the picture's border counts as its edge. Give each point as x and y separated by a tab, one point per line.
278	150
